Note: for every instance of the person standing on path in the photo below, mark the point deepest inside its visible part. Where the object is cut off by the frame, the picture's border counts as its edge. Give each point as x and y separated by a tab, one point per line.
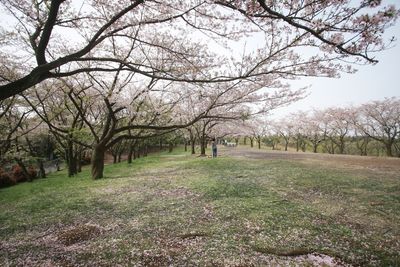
214	148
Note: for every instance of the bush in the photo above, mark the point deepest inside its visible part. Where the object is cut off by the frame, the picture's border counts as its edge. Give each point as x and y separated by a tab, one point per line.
5	179
17	174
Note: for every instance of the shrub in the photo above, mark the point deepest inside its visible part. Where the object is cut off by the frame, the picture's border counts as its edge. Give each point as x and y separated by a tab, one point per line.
5	179
17	174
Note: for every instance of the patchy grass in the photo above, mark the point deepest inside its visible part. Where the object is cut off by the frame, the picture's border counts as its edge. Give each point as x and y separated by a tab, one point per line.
181	210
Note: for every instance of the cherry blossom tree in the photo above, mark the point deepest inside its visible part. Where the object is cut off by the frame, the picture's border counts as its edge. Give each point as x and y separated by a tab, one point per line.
315	129
380	120
11	119
339	126
298	121
62	119
285	130
60	38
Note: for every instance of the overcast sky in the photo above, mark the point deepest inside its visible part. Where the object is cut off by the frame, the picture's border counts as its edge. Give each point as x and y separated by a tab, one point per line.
371	82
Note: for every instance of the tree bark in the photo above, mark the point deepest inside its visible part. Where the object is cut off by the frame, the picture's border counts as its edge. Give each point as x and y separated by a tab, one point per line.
203	145
130	154
388	147
98	162
79	162
42	172
23	169
193	146
120	156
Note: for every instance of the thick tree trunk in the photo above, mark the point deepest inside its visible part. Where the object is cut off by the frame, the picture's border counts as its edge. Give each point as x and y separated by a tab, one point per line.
388	147
98	162
185	146
251	142
71	160
203	146
259	143
245	140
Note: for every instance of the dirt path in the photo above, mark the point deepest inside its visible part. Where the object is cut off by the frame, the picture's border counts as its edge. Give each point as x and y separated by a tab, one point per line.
375	164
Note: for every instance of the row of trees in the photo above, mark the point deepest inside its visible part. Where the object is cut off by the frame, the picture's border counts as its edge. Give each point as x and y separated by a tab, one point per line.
349	130
98	76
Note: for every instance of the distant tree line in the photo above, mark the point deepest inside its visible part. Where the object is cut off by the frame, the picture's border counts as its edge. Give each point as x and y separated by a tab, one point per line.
372	128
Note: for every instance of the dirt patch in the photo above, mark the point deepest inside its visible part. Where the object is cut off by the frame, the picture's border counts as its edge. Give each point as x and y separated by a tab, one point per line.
373	164
78	234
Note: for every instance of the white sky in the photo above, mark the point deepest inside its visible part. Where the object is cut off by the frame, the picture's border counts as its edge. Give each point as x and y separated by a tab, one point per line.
371	82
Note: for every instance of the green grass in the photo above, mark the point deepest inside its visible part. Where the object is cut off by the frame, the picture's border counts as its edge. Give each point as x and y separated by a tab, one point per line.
183	210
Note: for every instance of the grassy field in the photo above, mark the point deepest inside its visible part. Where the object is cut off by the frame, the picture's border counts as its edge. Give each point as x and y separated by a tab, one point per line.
180	210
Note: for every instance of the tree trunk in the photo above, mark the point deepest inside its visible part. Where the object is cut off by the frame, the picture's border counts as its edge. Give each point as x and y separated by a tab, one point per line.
24	170
388	147
203	146
98	162
71	160
120	155
193	146
185	146
170	147
315	146
79	162
130	154
245	140
251	142
259	142
42	172
303	146
72	166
